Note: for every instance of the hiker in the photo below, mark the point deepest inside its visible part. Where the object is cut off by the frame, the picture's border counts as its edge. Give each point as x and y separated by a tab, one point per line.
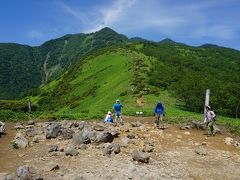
108	118
158	113
210	119
117	110
2	127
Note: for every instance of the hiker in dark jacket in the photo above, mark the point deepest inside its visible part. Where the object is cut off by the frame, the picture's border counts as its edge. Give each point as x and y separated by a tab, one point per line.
158	112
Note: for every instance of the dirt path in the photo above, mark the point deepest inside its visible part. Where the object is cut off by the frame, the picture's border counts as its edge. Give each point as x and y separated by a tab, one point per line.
174	156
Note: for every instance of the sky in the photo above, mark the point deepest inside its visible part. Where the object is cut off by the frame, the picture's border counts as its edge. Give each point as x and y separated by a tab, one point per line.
193	22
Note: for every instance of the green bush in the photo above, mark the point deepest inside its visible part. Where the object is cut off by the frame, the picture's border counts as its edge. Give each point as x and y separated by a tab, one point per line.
8	115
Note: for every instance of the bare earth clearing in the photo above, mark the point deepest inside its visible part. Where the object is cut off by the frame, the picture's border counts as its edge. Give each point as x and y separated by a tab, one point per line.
174	153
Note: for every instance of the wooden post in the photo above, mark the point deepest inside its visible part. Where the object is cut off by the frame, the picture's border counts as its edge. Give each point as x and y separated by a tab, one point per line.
206	101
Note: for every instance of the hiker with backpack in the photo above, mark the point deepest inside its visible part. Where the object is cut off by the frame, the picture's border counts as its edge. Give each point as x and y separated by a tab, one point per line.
210	119
158	113
117	107
2	128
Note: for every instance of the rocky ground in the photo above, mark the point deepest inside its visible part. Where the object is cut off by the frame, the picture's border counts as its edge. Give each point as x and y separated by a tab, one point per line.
74	150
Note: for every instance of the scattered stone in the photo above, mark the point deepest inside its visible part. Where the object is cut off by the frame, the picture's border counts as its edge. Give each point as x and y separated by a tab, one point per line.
31	132
79	178
204	143
116	148
82	146
125	141
52	148
148	148
216	130
187	133
136	124
98	128
53	131
179	136
51	166
185	127
201	150
31	122
71	152
140	156
18	126
229	141
27	173
236	144
131	136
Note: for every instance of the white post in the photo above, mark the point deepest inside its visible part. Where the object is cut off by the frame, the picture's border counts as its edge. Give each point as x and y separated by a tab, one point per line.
206	101
29	106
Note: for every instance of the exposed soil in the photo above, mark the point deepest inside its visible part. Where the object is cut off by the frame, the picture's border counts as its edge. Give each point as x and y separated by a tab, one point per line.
174	155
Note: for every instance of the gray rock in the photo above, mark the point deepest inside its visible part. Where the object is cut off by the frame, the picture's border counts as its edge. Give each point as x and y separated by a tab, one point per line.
116	148
18	126
115	133
82	146
31	122
71	152
21	141
148	148
198	125
53	131
125	141
104	137
140	156
81	138
27	173
201	150
79	178
67	133
136	124
8	176
31	132
52	148
39	138
51	166
131	136
98	127
108	148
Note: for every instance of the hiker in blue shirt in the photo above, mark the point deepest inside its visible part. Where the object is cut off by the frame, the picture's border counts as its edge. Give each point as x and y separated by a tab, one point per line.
117	109
158	113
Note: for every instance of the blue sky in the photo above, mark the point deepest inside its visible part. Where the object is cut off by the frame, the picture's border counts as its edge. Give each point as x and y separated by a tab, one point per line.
193	22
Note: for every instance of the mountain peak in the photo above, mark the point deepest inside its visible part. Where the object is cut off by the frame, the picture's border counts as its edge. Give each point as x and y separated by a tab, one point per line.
167	41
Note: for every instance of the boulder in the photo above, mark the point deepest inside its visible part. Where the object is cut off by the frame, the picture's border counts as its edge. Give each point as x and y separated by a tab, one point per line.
108	148
140	156
66	133
27	173
53	130
148	148
31	132
20	141
18	126
125	141
81	138
39	138
198	125
104	137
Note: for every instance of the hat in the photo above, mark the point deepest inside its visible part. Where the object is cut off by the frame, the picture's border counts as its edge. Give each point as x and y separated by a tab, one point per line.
109	112
117	100
208	107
